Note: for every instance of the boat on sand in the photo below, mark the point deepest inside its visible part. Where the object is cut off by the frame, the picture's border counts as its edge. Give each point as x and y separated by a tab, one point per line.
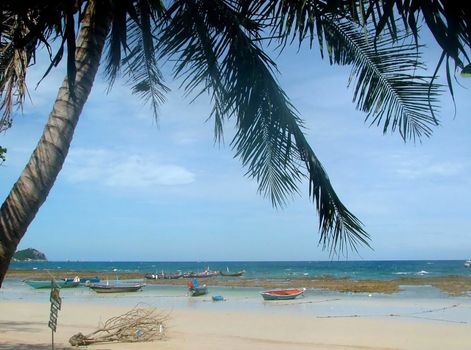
116	288
282	294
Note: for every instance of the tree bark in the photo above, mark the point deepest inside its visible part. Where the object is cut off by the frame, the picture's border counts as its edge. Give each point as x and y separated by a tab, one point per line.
33	186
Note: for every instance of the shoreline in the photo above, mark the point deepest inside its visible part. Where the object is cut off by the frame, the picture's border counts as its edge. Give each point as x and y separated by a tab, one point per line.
451	285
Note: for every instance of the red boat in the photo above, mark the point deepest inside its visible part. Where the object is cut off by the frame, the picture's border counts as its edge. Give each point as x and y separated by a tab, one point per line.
282	294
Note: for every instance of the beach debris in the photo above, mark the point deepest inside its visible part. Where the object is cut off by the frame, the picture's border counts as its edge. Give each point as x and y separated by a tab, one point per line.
137	325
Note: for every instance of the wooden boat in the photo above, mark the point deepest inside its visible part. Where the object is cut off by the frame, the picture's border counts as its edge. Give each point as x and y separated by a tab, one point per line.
43	284
232	274
163	276
85	280
116	288
195	289
204	274
282	294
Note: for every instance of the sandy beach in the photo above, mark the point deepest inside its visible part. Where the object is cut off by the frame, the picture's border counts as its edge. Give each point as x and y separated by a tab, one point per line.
348	323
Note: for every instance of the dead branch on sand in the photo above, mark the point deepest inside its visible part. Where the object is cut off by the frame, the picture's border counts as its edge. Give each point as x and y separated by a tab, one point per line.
137	325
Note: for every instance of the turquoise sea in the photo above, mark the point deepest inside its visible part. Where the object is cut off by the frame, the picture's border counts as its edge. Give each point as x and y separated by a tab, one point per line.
270	269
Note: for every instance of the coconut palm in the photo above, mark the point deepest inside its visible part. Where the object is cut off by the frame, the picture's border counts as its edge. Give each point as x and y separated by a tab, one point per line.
219	47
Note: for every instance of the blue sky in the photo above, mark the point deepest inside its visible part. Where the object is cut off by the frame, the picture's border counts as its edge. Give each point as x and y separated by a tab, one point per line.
136	189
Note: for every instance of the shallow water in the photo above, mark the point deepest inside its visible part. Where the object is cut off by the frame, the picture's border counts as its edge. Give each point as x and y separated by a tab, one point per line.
413	302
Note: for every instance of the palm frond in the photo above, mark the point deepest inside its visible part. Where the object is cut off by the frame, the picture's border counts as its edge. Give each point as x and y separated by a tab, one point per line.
387	86
215	45
14	61
140	63
196	49
26	25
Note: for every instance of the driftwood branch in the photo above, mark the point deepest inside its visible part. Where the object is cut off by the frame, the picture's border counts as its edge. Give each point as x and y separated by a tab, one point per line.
137	325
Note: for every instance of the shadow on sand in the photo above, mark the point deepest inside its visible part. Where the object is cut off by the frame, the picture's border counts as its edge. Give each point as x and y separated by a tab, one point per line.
29	327
20	346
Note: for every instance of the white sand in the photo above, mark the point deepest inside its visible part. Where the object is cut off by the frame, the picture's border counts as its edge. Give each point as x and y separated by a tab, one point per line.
23	325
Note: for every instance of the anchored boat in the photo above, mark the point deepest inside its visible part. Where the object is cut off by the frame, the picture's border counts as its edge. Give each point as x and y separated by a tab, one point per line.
282	294
43	284
116	288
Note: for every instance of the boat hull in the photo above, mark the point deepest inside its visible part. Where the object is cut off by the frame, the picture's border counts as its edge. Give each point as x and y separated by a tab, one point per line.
160	276
198	291
282	294
231	274
85	280
107	288
40	284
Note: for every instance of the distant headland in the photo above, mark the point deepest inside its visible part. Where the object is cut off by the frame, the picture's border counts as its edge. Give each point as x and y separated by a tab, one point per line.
29	254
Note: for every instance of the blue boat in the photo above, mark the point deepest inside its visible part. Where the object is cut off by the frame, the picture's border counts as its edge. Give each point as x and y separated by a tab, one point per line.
195	289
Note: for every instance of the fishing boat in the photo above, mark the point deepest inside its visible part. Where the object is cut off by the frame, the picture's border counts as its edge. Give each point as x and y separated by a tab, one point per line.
195	289
282	294
163	276
231	274
203	274
43	284
116	287
84	280
467	263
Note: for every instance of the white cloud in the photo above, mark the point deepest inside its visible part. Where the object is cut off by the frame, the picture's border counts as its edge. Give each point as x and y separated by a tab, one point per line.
428	168
121	170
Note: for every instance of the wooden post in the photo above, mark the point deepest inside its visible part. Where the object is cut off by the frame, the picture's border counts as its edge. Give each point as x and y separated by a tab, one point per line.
56	302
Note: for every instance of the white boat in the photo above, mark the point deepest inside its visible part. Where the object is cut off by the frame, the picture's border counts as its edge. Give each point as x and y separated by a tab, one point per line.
467	263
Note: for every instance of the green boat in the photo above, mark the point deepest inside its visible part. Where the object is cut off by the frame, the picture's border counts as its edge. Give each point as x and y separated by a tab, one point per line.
43	284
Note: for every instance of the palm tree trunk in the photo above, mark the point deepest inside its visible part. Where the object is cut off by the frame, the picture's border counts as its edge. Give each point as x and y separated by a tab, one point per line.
31	189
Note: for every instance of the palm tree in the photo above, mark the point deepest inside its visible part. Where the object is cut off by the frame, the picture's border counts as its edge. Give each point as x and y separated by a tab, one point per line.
218	47
32	187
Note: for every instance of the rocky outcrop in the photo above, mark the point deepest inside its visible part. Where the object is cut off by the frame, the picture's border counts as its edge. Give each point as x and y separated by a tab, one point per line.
29	254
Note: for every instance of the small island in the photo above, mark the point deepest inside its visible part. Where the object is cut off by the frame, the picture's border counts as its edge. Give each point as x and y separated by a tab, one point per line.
29	254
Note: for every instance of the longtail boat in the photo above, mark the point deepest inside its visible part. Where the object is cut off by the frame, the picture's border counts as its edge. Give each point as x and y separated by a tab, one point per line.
43	284
116	288
232	274
282	294
84	280
195	289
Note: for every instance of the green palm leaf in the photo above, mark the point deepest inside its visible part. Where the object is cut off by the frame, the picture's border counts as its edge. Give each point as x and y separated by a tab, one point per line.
140	63
387	86
215	45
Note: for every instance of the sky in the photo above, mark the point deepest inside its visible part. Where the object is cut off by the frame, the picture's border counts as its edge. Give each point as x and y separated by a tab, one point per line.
133	188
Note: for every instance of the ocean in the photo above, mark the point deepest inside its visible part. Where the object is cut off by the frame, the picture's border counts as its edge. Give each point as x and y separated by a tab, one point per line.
380	270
